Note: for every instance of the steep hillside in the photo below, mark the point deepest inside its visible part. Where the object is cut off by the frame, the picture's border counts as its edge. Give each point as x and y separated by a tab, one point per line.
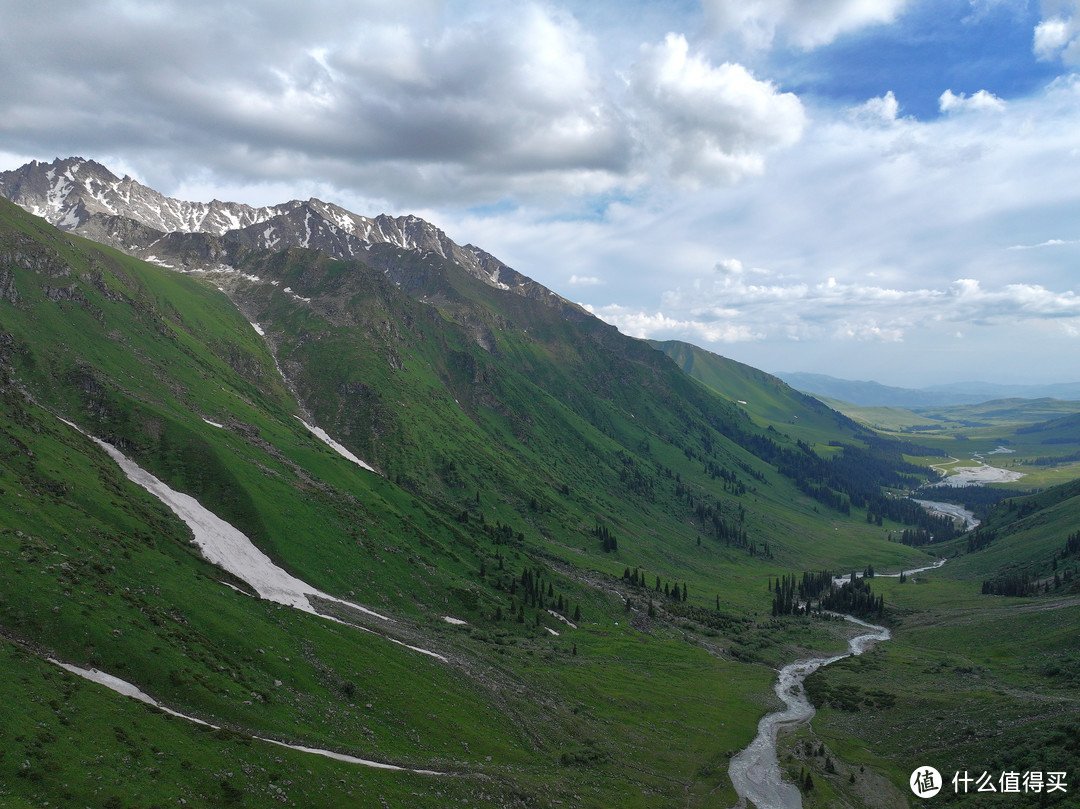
770	400
1027	540
526	455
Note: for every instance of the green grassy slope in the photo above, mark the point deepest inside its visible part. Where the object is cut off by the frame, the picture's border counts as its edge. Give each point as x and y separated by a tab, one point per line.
499	453
768	399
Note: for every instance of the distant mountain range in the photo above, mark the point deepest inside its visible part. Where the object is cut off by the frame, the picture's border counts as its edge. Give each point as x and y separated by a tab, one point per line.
874	394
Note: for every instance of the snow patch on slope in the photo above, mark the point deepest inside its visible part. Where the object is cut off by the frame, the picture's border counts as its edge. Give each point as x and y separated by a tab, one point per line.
225	546
128	690
228	548
334	445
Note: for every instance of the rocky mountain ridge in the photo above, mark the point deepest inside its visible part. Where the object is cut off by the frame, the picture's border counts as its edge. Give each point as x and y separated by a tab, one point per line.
85	197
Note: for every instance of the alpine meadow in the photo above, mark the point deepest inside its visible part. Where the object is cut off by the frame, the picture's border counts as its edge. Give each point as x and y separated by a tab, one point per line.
363	517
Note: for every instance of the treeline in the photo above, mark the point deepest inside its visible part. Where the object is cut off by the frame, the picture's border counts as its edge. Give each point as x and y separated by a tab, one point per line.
1053	460
855	477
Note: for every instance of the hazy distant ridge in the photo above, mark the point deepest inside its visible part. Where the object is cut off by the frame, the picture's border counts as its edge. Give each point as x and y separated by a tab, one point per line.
874	394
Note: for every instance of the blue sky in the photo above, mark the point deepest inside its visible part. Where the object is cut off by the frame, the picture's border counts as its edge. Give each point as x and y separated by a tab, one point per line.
881	190
949	43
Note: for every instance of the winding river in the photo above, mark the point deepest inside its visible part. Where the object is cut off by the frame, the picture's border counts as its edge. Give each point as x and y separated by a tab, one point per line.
755	771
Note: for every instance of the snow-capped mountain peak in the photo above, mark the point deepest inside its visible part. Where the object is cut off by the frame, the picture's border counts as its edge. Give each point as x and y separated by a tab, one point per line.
83	196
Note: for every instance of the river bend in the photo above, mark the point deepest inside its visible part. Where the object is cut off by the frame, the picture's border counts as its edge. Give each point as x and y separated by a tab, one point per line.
755	771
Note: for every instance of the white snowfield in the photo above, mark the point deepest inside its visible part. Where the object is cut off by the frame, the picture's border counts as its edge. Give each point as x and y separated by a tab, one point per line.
334	445
129	690
226	547
231	550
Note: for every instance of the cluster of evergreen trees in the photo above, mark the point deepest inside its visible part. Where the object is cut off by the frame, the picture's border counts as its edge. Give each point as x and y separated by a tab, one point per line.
854	597
792	595
608	542
1072	544
818	590
725	521
979	539
1026	584
535	594
637	578
979	500
1054	460
908	512
1014	584
732	484
635	479
916	537
1031	582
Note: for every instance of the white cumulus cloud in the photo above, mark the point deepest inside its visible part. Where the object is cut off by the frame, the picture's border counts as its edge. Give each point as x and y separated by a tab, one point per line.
977	102
710	122
643	324
1057	36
